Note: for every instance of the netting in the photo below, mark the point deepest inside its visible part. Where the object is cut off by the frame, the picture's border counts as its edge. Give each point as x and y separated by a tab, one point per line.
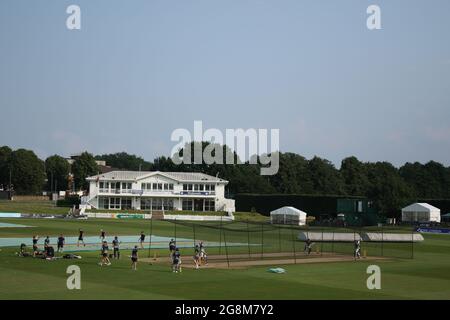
249	241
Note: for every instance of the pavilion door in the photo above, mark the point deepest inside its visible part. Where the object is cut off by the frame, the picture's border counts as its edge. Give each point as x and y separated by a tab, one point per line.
198	204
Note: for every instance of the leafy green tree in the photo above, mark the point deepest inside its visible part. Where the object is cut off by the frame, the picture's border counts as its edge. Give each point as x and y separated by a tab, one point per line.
57	169
388	189
84	166
429	181
326	179
355	178
293	176
28	175
5	157
125	161
242	177
166	164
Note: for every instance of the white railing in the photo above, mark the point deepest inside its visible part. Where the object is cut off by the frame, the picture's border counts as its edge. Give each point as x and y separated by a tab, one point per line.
197	217
157	191
197	193
149	192
113	191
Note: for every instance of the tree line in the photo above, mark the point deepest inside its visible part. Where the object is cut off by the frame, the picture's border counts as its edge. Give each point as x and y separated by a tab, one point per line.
388	186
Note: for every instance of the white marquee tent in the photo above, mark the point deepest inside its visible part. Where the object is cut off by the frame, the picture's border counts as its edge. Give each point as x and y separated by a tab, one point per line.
421	212
288	215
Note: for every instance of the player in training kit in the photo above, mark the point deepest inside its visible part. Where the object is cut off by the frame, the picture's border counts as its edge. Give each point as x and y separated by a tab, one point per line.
61	241
357	249
102	235
134	258
203	256
105	258
197	257
81	238
172	246
116	243
46	242
142	239
176	261
35	246
308	246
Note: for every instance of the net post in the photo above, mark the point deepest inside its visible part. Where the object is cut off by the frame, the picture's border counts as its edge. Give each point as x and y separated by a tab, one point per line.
220	235
150	241
321	245
279	239
193	230
354	240
293	245
382	240
175	231
412	243
332	243
248	241
262	241
226	249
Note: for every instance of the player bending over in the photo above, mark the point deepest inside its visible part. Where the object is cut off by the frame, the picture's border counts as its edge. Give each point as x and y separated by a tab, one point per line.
134	258
22	252
308	246
49	253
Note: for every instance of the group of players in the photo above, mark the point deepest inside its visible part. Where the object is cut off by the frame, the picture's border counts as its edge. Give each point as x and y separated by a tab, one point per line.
356	248
49	252
200	256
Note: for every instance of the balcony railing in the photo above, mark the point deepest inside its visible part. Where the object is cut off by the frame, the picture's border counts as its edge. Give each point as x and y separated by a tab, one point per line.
157	191
134	191
200	193
114	191
148	192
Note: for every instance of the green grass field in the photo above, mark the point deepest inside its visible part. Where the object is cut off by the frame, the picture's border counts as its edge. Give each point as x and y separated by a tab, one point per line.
32	207
424	277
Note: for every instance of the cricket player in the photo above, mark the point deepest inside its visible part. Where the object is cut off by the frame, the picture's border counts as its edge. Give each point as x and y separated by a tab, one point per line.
197	259
81	238
203	256
172	246
35	246
134	258
116	250
176	261
357	254
102	235
105	258
308	246
61	241
142	239
46	242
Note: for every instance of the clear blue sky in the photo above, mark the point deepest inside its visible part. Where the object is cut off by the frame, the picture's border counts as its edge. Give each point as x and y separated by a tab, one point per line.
137	70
